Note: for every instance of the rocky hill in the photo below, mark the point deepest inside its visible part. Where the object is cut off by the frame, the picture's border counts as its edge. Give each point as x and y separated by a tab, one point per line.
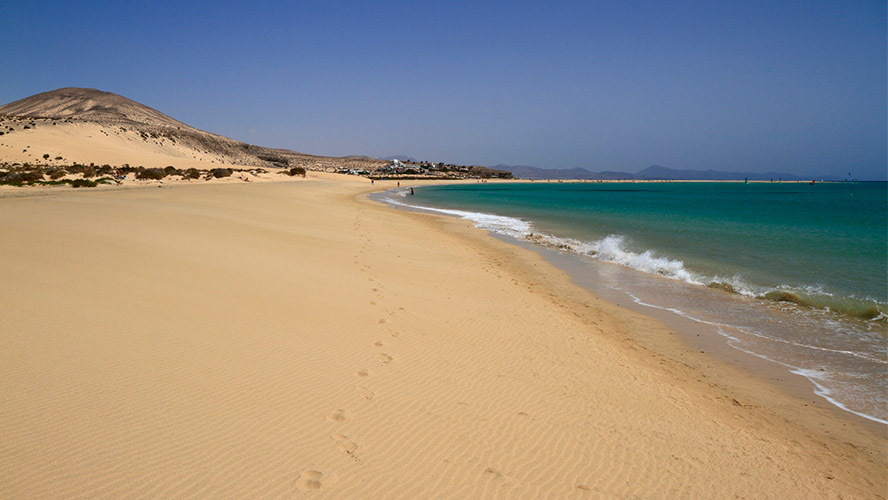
92	105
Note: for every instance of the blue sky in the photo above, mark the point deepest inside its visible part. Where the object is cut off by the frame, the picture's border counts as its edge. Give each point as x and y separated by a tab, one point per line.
798	87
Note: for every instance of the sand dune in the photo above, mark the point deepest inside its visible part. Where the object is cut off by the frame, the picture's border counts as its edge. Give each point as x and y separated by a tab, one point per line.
295	340
93	142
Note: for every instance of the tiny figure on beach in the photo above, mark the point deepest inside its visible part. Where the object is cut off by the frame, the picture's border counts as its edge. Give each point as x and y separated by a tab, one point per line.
372	181
411	191
399	183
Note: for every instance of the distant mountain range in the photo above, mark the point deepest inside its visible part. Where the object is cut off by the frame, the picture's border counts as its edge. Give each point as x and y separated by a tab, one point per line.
654	172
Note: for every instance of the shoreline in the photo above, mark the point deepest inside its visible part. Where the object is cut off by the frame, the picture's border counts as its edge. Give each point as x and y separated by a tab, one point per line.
730	361
697	335
302	339
604	278
726	367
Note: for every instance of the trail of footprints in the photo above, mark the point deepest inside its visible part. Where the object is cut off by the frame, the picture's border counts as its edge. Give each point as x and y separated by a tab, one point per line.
312	480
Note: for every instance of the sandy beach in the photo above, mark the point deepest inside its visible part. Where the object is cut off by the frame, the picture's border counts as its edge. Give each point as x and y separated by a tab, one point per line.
298	340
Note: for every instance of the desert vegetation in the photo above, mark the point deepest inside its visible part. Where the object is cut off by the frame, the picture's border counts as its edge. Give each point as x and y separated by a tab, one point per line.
92	175
26	175
294	171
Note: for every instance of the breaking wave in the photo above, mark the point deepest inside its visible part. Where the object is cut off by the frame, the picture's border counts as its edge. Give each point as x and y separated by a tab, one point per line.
615	249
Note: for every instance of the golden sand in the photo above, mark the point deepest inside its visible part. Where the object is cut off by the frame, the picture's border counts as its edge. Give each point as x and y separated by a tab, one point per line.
296	340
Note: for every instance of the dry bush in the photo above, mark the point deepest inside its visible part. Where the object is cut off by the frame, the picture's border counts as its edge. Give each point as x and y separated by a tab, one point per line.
150	174
191	173
57	174
82	169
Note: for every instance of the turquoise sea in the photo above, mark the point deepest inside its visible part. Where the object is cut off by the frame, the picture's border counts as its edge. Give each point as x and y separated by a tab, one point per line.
793	272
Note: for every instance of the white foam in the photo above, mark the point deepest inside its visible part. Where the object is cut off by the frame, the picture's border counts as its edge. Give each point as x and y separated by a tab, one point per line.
499	224
814	376
612	248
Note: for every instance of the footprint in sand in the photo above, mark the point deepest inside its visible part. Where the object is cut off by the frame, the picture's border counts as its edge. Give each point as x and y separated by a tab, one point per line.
337	416
384	358
377	344
365	393
345	444
362	373
495	473
310	480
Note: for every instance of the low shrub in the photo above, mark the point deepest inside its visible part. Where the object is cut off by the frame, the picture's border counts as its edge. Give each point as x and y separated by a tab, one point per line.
32	176
57	174
82	169
150	174
191	173
21	178
77	183
221	172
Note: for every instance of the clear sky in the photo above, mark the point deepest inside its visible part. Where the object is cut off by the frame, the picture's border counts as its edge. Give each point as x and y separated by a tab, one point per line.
792	86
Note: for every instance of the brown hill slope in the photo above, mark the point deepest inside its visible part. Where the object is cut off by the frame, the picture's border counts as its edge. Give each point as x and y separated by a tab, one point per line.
91	126
91	105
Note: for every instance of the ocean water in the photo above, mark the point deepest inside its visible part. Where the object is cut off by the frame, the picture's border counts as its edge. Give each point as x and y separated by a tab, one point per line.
791	272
